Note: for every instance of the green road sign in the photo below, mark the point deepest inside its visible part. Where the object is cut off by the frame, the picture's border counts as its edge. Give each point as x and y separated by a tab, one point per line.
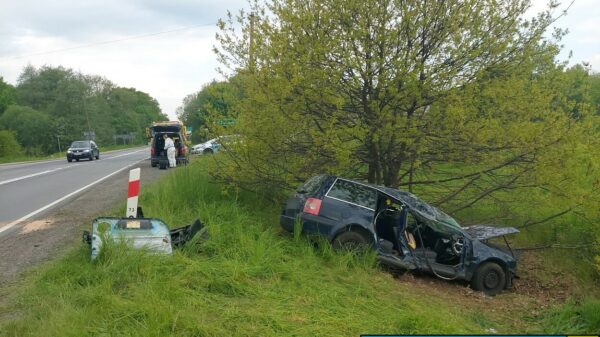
226	121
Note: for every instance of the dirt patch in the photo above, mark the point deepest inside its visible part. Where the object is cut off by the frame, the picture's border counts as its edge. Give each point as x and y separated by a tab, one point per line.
538	281
44	237
536	290
36	226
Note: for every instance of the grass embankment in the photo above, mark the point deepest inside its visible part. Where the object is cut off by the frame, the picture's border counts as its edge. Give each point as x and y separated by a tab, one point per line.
59	155
248	279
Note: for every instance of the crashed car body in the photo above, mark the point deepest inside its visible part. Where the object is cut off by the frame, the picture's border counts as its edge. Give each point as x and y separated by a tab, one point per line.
405	231
142	233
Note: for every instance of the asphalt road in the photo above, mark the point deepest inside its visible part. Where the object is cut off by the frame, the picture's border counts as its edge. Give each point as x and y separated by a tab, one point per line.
28	190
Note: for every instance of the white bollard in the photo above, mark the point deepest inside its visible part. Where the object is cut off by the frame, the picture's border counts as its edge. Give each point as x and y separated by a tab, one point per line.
133	193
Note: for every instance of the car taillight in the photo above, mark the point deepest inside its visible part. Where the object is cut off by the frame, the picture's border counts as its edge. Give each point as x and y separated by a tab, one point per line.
152	151
183	150
312	206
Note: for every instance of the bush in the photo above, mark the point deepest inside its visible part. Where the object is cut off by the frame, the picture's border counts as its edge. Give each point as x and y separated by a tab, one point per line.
8	144
32	128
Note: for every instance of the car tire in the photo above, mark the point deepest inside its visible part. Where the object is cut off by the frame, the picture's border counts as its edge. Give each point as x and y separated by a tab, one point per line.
69	160
351	240
208	151
489	278
91	157
153	164
98	156
77	159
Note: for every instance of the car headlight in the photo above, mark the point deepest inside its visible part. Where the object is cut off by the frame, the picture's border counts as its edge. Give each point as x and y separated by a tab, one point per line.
69	151
86	150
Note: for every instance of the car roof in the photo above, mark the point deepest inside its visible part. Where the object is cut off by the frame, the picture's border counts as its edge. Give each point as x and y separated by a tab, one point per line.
415	204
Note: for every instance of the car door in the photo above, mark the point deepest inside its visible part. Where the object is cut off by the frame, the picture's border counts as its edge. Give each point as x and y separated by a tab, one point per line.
347	203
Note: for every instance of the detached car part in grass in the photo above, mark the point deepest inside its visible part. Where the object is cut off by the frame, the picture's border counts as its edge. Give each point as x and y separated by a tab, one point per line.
142	233
406	232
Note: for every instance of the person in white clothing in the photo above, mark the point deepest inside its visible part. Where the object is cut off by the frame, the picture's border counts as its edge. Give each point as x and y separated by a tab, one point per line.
170	147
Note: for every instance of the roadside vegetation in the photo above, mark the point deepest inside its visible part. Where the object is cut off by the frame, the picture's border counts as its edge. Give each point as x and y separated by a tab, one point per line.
251	279
52	106
464	103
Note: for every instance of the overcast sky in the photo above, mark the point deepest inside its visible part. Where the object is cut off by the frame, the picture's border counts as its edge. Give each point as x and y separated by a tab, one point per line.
172	65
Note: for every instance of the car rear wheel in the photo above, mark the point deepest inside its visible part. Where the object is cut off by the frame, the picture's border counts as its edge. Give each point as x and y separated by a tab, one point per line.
489	278
351	240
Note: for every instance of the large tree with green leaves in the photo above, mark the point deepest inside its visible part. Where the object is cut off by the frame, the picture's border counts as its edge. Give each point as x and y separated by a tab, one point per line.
460	100
215	99
7	95
33	128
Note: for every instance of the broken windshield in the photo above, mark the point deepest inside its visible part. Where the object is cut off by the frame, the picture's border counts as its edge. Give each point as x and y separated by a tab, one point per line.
420	207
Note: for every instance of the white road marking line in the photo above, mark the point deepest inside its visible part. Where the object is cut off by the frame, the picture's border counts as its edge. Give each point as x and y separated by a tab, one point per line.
44	161
30	163
125	154
32	175
12	224
36	174
57	169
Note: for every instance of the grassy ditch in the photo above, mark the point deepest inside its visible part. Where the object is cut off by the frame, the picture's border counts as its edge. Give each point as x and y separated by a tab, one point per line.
248	279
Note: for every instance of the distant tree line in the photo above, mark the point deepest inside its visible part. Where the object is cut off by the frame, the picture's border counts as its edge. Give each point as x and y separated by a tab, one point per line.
55	105
214	99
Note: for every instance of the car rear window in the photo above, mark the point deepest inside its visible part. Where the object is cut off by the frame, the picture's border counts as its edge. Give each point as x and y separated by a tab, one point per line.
80	144
354	193
311	186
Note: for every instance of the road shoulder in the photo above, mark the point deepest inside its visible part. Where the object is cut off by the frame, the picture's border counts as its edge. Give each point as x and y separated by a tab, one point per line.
44	237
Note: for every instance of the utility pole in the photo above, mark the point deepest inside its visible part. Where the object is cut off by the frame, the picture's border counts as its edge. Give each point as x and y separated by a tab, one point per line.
251	47
87	117
58	141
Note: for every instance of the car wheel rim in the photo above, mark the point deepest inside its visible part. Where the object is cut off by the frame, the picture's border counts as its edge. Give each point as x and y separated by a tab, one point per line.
491	280
351	245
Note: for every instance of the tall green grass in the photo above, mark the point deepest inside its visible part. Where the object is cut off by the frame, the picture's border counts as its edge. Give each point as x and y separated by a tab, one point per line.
572	318
248	279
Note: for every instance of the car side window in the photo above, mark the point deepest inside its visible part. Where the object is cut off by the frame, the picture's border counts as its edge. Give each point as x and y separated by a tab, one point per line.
354	193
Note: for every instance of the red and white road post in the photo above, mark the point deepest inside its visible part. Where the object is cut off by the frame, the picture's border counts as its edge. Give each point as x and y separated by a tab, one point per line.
133	193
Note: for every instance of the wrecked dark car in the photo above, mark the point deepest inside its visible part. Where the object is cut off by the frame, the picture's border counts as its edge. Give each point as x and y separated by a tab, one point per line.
142	233
406	232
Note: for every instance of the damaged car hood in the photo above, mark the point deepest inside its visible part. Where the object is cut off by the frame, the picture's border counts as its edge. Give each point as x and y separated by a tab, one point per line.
484	232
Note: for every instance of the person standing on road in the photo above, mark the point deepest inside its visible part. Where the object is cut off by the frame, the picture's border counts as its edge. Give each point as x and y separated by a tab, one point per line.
170	147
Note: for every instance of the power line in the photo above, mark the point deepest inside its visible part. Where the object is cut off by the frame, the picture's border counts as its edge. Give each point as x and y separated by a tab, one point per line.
133	37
